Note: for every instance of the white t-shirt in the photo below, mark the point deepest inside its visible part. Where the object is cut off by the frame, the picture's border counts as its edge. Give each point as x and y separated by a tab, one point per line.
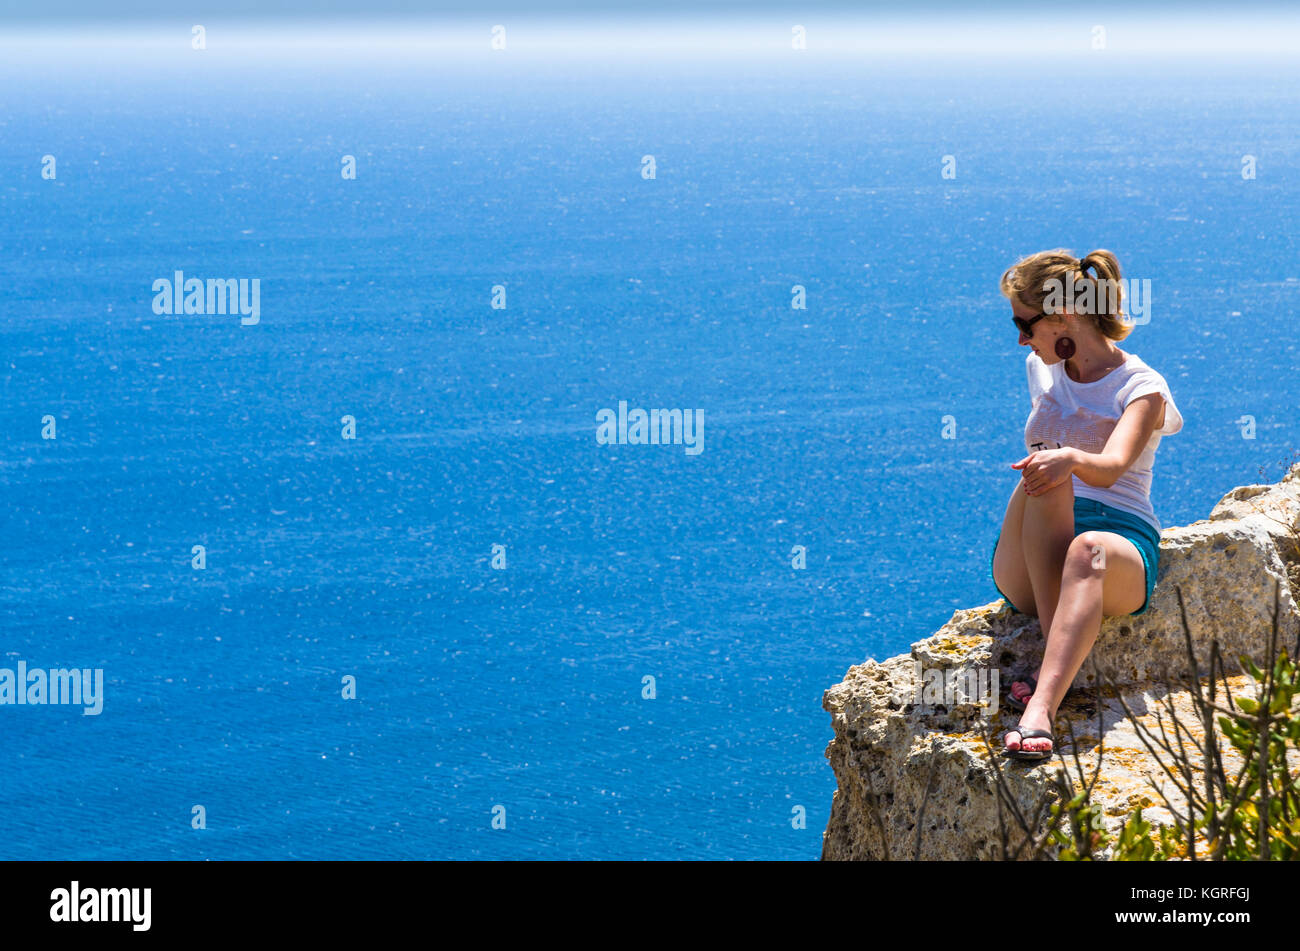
1083	415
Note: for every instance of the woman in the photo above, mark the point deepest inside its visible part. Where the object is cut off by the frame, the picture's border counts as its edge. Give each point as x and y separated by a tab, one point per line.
1079	539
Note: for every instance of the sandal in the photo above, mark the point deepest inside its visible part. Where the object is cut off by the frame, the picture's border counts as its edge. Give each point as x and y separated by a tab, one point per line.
1016	704
1033	756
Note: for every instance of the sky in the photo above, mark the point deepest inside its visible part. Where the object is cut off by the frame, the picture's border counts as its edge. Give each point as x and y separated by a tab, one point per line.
74	11
129	33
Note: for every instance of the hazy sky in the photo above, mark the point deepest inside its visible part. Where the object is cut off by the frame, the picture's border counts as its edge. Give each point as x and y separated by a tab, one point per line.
1188	30
172	10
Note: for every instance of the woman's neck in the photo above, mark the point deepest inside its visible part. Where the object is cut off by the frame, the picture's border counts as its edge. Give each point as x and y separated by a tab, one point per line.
1091	363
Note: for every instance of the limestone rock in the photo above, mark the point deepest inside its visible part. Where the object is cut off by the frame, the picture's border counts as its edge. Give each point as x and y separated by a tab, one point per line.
891	743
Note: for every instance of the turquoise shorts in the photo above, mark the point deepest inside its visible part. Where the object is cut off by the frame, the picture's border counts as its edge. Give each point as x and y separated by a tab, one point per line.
1093	516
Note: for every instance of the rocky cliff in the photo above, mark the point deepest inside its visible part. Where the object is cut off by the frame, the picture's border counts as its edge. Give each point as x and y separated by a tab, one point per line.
914	773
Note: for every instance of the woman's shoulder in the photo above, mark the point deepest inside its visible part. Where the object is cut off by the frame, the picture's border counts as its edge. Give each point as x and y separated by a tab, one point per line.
1140	380
1135	367
1134	363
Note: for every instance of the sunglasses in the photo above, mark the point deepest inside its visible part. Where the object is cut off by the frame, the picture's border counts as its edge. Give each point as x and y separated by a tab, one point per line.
1026	327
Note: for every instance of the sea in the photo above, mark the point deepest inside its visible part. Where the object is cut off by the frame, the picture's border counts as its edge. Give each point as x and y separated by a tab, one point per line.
361	579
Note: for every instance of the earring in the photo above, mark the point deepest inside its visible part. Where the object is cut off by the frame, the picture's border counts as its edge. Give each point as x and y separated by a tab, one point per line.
1064	347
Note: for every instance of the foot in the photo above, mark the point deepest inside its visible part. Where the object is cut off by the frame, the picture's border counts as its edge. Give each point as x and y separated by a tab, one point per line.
1022	690
1031	720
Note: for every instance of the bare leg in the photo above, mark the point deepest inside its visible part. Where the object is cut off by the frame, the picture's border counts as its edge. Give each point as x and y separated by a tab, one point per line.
1091	587
1009	571
1077	624
1074	631
1047	531
1045	537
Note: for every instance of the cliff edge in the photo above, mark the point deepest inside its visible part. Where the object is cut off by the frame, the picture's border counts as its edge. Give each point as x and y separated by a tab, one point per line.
916	722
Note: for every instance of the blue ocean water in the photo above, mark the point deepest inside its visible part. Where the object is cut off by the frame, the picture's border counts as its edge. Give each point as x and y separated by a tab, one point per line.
523	687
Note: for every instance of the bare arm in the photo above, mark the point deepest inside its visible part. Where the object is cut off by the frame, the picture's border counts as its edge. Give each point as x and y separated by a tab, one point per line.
1141	418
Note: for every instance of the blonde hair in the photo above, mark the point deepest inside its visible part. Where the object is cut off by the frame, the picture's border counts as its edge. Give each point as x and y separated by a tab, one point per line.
1027	282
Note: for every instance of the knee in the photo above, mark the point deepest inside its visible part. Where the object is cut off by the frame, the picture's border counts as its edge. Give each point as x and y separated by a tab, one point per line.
1086	554
1064	487
1058	495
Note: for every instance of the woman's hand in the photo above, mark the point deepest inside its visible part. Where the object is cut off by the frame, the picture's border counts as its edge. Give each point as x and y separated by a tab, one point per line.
1045	469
